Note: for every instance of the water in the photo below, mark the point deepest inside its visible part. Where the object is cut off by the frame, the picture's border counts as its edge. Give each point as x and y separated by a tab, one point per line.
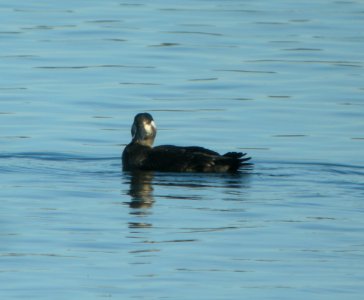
282	81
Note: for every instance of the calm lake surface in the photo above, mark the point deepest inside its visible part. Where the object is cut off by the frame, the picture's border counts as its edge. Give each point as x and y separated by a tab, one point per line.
281	80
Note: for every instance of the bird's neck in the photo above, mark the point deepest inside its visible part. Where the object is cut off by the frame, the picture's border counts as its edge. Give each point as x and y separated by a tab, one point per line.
148	142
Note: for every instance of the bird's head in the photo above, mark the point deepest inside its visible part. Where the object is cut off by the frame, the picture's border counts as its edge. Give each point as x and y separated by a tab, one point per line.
144	129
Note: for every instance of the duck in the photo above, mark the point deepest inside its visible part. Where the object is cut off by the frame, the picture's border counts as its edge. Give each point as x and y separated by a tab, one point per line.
140	155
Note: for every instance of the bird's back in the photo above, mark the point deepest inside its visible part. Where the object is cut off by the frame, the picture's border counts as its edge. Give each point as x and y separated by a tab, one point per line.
170	158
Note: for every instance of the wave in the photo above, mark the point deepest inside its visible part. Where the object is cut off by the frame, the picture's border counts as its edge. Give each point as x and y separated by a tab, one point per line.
55	156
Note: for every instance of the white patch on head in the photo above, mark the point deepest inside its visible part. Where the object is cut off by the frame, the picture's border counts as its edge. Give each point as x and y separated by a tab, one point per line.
153	125
150	128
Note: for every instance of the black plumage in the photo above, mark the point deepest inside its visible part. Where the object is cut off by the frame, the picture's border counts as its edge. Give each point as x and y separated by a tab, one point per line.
141	155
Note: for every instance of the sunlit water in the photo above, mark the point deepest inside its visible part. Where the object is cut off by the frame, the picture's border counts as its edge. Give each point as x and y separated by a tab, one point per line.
282	81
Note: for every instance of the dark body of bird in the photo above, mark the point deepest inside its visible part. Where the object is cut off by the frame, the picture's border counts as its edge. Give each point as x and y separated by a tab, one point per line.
141	155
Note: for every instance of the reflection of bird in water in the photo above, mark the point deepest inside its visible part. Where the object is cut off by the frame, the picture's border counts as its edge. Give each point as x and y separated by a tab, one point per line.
140	155
141	189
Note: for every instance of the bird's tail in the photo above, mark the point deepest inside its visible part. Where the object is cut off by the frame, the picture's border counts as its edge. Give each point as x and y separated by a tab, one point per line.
238	160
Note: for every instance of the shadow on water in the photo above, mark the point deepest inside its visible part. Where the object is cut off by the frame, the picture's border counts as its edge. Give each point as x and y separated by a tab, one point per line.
142	184
141	189
175	191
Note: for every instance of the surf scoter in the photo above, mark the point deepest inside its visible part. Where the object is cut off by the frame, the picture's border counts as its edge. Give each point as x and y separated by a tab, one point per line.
141	155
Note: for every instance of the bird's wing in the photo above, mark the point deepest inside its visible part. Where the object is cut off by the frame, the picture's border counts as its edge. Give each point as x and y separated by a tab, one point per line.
174	158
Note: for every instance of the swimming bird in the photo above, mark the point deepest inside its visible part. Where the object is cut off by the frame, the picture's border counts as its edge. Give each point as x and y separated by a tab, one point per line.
140	154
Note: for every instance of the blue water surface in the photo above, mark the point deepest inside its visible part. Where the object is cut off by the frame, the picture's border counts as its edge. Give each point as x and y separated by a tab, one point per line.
281	80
